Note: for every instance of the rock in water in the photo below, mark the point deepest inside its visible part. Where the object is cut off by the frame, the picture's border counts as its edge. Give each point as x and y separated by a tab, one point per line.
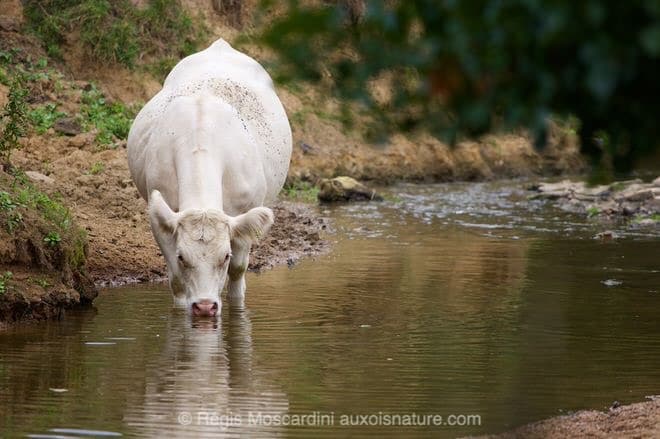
345	189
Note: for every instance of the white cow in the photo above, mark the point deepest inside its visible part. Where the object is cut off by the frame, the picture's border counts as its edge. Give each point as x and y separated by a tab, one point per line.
207	152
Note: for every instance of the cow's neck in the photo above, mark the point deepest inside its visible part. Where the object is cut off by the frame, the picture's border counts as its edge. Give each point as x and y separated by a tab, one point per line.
200	181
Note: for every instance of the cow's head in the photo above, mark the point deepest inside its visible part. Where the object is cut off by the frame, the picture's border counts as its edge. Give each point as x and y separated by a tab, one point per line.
197	248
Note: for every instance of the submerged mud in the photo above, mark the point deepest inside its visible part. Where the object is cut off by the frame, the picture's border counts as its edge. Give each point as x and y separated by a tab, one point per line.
640	420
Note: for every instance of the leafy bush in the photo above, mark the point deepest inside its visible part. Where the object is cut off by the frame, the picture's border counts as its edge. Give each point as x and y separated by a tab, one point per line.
13	119
466	67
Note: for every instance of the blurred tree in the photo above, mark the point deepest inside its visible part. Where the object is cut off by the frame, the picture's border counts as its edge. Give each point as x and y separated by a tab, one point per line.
464	67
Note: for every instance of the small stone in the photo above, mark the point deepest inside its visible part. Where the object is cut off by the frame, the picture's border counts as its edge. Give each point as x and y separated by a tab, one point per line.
608	234
629	209
653	206
345	189
656	182
39	177
646	222
638	195
306	148
68	126
611	282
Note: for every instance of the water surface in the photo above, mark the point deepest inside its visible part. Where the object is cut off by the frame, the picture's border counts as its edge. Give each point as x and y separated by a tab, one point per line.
465	300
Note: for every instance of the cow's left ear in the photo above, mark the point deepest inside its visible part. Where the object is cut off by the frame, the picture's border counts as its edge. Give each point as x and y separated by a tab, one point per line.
252	225
160	212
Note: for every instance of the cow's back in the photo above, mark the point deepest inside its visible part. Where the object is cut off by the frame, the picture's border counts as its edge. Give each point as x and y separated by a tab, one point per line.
226	74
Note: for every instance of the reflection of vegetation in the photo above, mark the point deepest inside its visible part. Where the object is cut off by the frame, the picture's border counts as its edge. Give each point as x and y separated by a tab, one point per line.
115	31
467	67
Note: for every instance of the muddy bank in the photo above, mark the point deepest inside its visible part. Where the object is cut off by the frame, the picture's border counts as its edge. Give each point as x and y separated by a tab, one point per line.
640	420
298	232
632	199
42	254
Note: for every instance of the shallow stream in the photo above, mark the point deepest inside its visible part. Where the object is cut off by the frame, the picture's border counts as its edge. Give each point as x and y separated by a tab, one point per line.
462	301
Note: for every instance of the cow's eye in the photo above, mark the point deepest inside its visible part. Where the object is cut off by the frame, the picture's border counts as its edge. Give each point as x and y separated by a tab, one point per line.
227	256
181	259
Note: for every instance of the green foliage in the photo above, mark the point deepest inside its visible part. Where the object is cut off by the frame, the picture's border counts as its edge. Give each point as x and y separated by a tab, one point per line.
8	205
13	119
25	195
44	117
4	280
97	168
301	191
115	31
593	211
43	283
41	217
53	239
643	218
112	120
468	67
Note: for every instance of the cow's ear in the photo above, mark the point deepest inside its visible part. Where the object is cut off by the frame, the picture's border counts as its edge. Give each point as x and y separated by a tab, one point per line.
252	225
160	213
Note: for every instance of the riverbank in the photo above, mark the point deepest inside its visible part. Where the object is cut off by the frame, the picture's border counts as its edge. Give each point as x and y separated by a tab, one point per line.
634	200
639	420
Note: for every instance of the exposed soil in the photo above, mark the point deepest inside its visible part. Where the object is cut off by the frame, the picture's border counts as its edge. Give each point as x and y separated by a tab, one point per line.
640	420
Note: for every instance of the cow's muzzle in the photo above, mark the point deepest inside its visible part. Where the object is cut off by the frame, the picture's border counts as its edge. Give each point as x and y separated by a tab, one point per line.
204	308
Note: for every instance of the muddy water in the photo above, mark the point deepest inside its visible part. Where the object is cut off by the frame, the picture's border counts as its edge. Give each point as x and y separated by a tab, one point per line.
463	300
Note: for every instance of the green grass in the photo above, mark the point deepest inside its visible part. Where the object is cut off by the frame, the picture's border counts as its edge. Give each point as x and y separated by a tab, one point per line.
97	168
112	120
22	200
43	283
593	211
115	31
53	239
301	191
25	195
44	117
4	280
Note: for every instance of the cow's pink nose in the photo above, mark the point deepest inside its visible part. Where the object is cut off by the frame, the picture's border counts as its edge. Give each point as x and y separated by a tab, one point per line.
205	308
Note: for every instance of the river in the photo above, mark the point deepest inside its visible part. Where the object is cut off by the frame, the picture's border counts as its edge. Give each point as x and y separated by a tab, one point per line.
448	310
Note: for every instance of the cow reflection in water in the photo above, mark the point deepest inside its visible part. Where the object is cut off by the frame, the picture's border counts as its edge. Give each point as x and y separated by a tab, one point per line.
204	383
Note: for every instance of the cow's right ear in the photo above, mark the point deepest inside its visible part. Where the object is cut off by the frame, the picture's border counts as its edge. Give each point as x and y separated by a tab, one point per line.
160	212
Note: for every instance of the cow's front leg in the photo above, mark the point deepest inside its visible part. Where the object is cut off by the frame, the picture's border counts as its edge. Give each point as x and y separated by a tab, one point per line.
237	267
